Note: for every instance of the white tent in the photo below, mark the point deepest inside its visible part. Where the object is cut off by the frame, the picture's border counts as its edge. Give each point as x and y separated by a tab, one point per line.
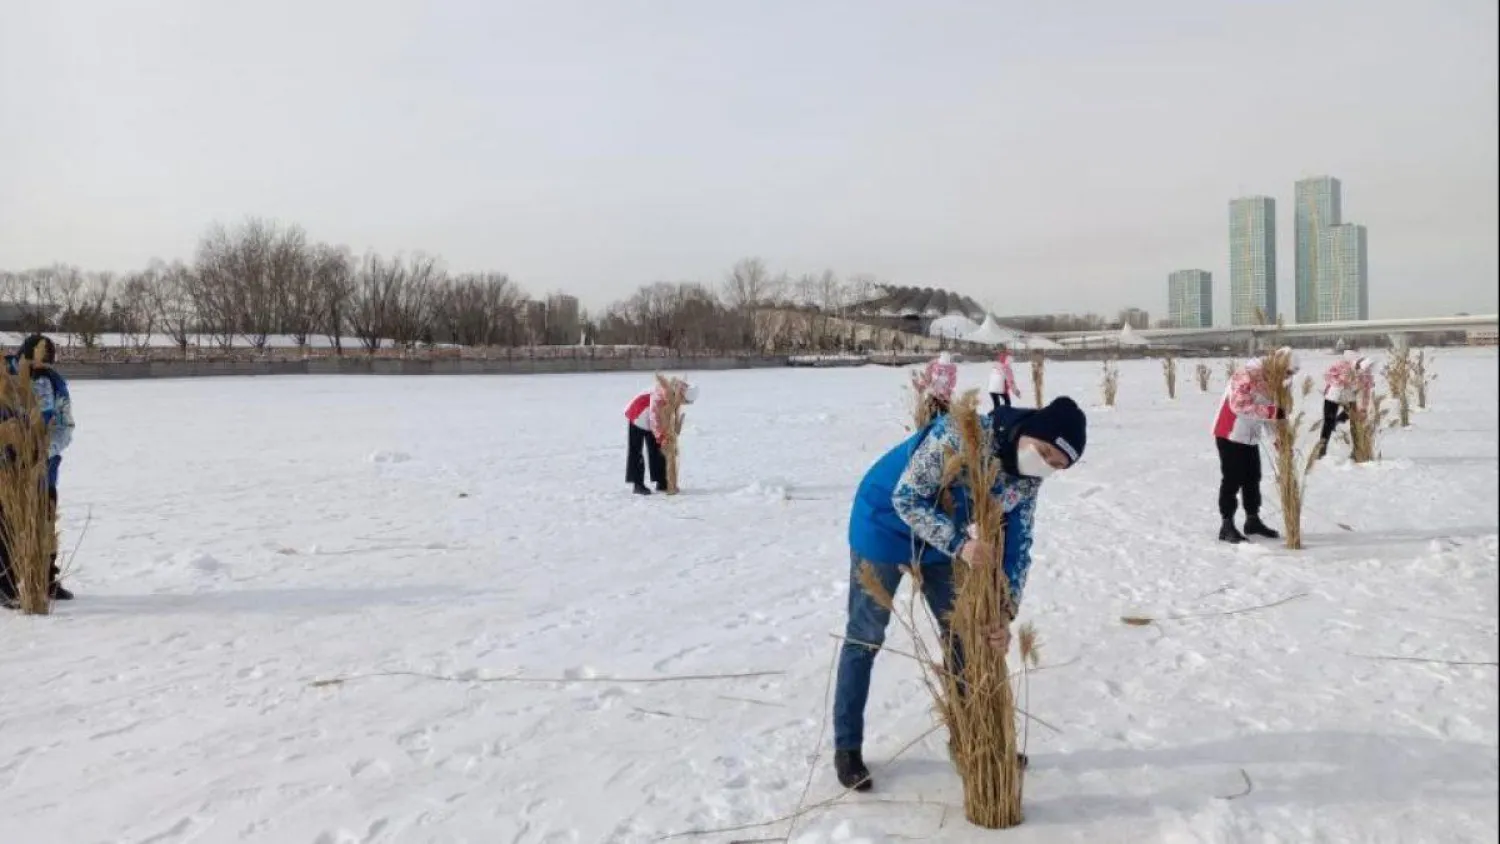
952	327
1128	337
992	333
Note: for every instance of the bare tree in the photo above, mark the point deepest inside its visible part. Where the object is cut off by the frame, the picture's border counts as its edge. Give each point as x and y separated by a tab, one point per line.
412	316
333	279
174	298
85	301
479	309
134	311
373	299
294	284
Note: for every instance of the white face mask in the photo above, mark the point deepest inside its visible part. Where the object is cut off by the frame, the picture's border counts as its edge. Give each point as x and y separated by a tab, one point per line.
1030	463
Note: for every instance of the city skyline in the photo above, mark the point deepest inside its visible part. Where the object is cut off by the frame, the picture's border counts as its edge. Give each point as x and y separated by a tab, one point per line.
1318	204
1343	273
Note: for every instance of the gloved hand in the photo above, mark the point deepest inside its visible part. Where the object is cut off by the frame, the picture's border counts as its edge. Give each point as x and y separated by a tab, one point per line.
1280	413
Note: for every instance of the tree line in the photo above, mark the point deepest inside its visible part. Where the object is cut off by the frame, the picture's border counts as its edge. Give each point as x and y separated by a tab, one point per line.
259	280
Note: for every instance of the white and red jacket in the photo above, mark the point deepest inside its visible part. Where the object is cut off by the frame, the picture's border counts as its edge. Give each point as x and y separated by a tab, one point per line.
1002	377
642	410
1345	381
1246	408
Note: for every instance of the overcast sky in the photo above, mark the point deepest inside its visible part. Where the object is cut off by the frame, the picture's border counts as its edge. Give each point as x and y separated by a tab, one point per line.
1040	157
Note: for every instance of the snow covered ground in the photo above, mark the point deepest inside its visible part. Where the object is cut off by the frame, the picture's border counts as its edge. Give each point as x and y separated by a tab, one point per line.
245	538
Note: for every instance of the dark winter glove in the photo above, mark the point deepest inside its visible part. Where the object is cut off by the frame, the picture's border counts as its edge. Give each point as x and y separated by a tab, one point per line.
1343	416
1280	413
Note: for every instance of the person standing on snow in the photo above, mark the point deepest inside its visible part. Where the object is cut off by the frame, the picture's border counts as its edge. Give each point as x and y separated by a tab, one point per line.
897	520
56	405
1002	379
645	432
1242	420
938	382
1347	381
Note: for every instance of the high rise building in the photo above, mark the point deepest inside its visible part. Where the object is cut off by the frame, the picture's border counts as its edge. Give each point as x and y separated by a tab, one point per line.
1135	318
1252	260
1319	205
1190	299
1343	274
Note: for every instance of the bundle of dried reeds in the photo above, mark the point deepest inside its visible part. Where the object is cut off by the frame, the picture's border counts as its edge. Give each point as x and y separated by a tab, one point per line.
1204	375
1398	376
1366	415
28	521
1288	463
1421	378
1169	369
1038	375
970	683
1229	369
1307	386
1110	385
669	419
923	408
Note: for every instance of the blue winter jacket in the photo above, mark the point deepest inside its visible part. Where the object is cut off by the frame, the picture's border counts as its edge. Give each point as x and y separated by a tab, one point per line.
897	517
57	412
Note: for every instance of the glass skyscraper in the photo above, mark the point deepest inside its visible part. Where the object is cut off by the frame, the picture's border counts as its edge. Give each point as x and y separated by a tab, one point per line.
1343	274
1319	206
1252	260
1190	299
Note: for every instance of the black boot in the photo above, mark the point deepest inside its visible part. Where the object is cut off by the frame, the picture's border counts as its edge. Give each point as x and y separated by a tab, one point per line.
661	486
640	489
1255	527
850	765
59	591
1231	534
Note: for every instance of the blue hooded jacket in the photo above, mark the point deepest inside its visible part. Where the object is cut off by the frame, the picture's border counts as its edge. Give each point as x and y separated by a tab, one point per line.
57	412
897	518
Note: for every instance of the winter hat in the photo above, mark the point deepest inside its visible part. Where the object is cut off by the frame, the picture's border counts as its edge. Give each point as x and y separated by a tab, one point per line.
690	393
1061	423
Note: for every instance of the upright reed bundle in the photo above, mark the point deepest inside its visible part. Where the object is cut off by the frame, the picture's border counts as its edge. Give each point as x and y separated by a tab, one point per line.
1204	375
1038	375
1229	369
28	521
1288	463
1421	378
1169	369
1398	376
1365	417
979	705
669	419
1111	383
1307	386
923	411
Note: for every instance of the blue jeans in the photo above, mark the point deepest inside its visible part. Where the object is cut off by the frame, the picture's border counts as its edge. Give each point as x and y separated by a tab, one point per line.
865	633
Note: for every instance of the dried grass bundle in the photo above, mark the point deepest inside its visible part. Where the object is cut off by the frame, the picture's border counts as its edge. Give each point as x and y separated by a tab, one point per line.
1169	369
669	417
1398	376
1366	418
1421	378
923	409
1289	464
28	521
1204	375
1038	375
1307	386
970	682
1111	383
1229	370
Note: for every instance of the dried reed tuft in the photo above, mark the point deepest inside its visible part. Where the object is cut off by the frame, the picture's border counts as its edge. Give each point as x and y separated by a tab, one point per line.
1169	369
1366	418
1111	383
923	408
1398	376
1307	386
980	706
1288	463
1204	375
1038	375
669	417
1421	378
1229	369
28	521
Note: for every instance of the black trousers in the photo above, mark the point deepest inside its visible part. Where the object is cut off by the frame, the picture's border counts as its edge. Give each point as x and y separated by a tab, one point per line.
1333	414
1239	469
7	581
635	467
997	398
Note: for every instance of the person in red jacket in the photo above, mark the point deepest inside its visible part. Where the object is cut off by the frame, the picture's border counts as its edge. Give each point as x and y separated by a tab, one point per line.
645	432
1244	416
